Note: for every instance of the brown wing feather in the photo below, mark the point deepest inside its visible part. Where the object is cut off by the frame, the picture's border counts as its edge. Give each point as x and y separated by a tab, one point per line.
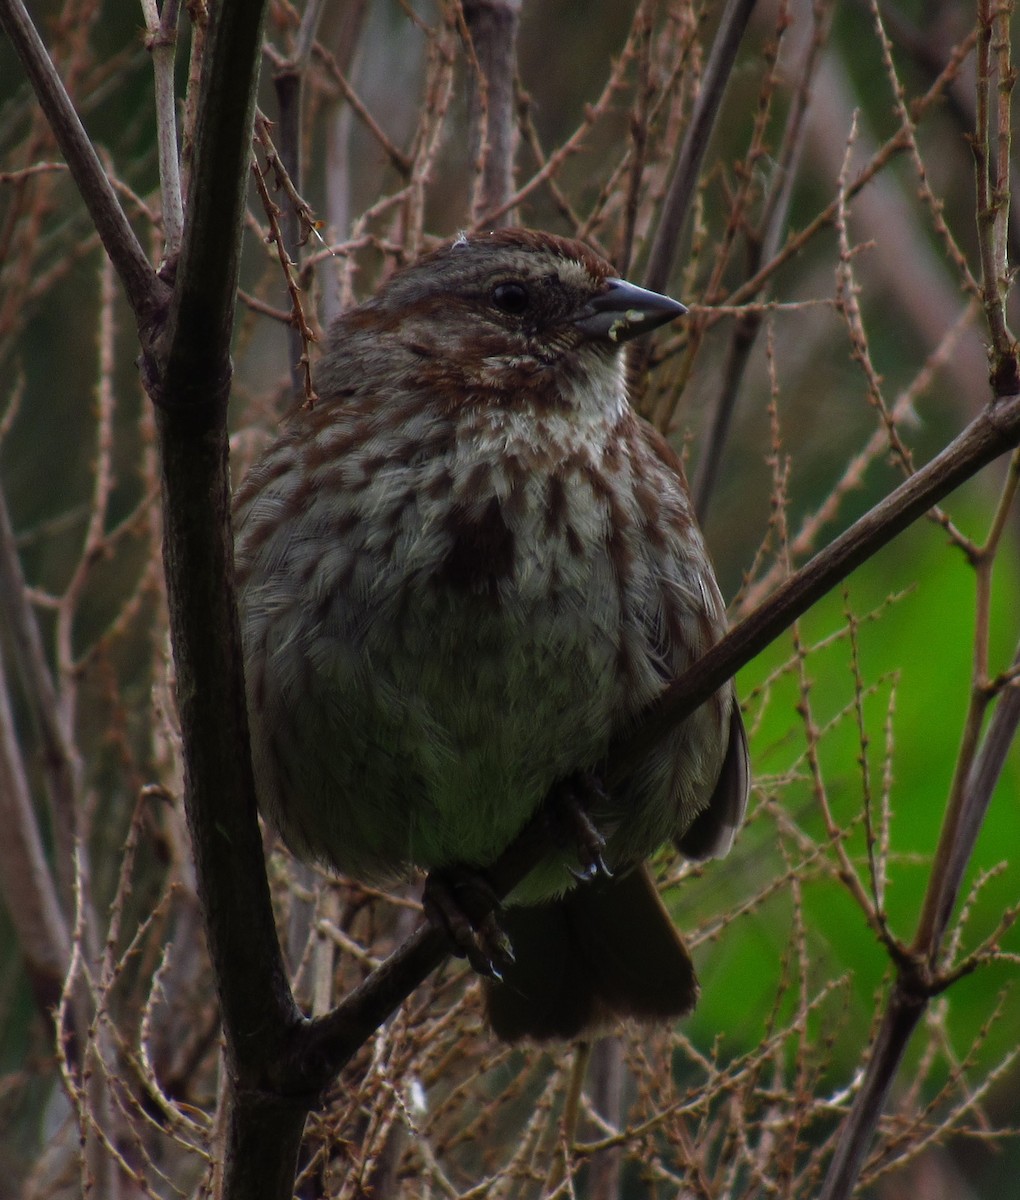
711	833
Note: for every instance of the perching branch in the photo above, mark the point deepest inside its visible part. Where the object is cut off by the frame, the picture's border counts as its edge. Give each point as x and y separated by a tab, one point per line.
993	433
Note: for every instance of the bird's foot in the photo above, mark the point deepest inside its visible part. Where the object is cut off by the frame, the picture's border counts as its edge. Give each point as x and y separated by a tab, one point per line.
569	805
460	901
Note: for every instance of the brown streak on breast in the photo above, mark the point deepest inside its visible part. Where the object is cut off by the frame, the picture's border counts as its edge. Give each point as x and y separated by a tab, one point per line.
322	450
481	553
619	527
258	528
401	503
649	504
612	455
440	486
478	481
555	503
370	467
675	513
575	543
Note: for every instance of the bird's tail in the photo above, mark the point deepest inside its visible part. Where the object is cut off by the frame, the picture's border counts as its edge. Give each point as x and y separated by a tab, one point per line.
606	950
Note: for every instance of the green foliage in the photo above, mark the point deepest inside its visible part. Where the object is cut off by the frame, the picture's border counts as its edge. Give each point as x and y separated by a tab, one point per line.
915	605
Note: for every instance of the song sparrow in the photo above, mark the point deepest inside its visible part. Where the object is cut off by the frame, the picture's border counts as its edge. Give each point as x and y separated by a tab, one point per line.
461	573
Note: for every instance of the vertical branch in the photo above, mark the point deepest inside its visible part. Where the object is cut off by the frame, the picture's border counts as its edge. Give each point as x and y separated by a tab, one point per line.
429	134
288	81
981	782
608	1079
188	374
899	1021
991	154
644	92
94	540
685	1117
1006	80
977	770
339	170
302	220
161	42
677	201
491	27
94	544
199	13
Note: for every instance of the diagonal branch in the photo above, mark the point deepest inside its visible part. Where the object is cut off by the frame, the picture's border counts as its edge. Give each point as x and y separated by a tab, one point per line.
1002	731
993	433
26	884
61	765
161	42
144	291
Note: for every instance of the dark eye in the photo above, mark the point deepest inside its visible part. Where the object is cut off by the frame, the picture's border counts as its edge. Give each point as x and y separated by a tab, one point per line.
510	298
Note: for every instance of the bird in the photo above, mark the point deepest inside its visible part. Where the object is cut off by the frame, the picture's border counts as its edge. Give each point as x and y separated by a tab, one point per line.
462	573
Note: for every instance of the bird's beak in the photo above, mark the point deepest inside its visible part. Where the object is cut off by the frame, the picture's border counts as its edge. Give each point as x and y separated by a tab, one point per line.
623	311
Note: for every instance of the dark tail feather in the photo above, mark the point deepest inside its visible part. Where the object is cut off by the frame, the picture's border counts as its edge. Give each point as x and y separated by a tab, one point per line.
606	950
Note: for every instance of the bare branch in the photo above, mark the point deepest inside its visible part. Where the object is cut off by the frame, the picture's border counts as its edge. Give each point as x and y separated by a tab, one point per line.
426	1101
991	434
288	81
991	152
161	42
25	880
60	758
144	290
713	86
491	27
763	245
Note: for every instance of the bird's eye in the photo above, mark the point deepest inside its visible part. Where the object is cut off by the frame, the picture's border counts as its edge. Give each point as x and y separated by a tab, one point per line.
510	298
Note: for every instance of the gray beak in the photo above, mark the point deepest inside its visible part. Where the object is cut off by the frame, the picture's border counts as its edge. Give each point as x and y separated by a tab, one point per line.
624	311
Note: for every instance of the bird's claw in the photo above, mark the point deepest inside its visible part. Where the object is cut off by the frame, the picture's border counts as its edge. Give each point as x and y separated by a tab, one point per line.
591	870
462	904
572	800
